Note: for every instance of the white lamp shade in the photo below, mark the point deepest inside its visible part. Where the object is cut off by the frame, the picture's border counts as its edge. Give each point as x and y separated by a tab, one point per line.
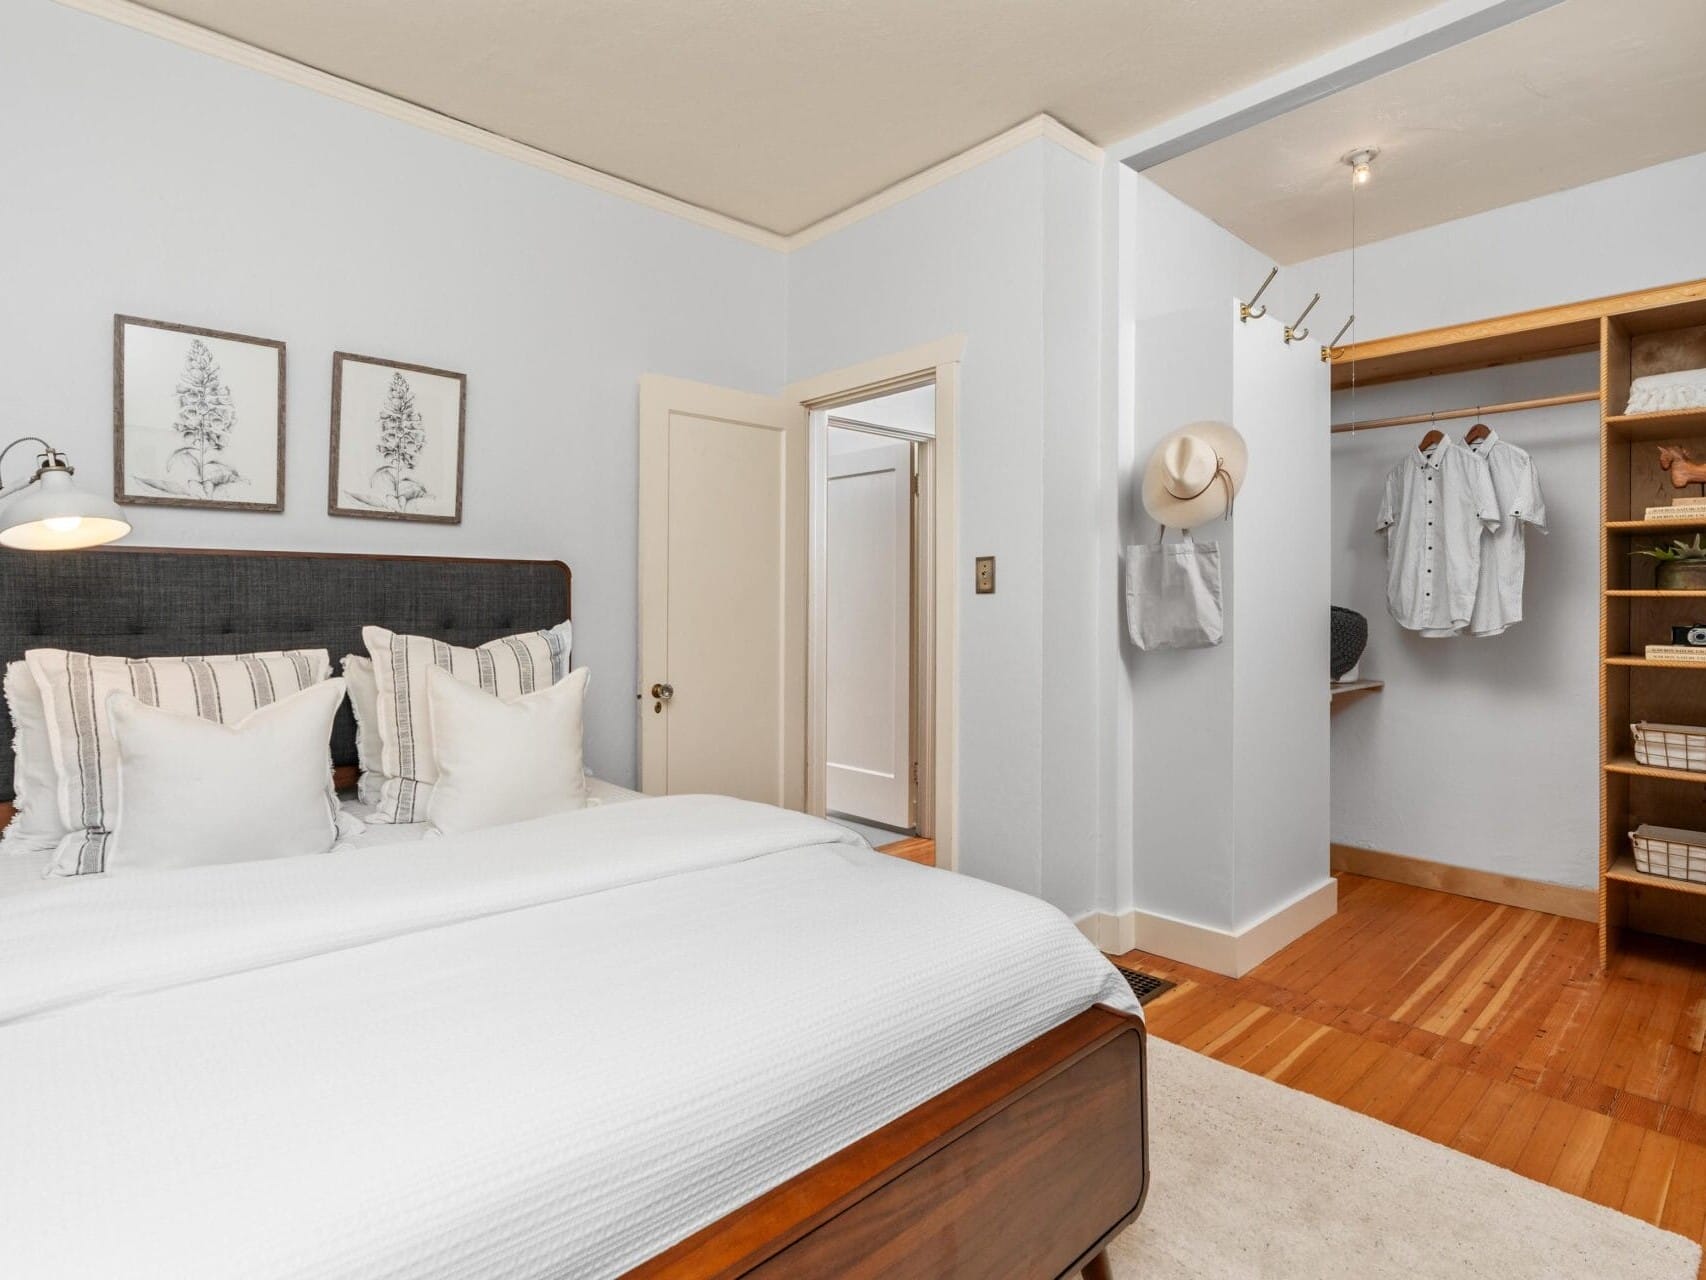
54	515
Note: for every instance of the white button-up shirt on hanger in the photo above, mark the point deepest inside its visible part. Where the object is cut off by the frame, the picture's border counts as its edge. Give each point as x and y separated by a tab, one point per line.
1434	510
1498	600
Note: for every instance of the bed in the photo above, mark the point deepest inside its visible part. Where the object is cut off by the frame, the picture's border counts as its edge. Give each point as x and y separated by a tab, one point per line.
658	1037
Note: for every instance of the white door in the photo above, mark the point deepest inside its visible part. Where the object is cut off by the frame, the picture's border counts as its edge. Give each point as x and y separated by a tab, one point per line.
722	551
869	609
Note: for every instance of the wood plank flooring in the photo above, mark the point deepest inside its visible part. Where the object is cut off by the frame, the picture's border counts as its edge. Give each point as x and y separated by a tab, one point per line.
913	849
1487	1028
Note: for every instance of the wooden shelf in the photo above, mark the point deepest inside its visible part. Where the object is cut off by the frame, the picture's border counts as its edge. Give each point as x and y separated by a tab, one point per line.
1656	595
1665	664
1339	693
1526	335
1635	769
1664	425
1655	526
1623	869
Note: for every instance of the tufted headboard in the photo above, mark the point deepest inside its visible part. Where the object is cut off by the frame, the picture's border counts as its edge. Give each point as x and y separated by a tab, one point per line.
141	602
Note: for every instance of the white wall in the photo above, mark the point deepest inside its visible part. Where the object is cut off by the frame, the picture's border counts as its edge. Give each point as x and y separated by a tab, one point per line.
1006	254
1483	753
1198	854
911	411
147	179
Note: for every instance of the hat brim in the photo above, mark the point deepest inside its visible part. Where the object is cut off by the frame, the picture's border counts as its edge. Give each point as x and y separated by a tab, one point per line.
1209	506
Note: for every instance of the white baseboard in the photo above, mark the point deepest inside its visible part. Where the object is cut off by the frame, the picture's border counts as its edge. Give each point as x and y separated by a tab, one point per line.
1217	950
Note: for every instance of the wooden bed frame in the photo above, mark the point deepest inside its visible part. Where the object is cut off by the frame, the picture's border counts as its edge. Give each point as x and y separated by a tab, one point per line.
1025	1170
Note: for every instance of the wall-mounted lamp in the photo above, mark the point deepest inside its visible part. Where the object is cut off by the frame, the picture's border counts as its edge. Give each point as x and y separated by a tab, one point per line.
49	513
1361	162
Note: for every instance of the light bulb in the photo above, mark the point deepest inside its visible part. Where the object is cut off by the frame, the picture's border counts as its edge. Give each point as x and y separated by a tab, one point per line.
63	524
1360	162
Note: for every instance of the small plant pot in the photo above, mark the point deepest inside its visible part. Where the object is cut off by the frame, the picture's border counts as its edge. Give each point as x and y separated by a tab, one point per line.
1682	575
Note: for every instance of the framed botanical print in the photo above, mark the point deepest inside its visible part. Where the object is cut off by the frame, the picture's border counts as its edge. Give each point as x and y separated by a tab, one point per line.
397	434
198	417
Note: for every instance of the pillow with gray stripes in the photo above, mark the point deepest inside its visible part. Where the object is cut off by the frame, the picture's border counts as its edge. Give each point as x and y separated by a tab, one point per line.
507	667
75	687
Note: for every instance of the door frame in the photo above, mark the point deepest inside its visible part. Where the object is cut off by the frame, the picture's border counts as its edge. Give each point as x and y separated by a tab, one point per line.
936	575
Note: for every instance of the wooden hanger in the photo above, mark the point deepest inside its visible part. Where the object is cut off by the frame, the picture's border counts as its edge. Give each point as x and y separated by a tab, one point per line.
1479	432
1433	437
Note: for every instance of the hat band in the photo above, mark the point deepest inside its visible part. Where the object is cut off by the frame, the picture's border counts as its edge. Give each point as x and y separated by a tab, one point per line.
1221	474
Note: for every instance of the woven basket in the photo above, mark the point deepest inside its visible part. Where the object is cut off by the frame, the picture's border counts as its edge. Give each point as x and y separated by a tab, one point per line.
1670	746
1669	852
1350	637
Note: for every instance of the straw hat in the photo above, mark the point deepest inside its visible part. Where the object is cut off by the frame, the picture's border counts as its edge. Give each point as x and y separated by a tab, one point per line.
1194	474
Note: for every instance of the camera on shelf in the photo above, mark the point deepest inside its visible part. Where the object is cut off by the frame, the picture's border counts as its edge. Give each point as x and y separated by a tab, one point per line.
1694	635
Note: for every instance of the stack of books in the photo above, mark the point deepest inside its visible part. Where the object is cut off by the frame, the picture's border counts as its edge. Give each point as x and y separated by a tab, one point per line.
1691	508
1676	652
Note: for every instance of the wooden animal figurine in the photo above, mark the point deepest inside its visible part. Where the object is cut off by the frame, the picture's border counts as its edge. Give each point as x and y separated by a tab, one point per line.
1684	470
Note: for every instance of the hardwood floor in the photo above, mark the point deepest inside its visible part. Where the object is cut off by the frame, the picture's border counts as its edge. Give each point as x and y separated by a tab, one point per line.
1483	1027
913	849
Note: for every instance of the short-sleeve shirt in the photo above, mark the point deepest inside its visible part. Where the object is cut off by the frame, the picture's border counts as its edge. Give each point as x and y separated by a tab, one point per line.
1498	599
1434	510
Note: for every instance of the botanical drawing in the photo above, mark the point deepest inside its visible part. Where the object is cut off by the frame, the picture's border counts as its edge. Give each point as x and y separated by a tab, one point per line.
206	416
394	486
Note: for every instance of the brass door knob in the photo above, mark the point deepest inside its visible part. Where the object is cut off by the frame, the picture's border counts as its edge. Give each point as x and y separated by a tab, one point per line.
663	692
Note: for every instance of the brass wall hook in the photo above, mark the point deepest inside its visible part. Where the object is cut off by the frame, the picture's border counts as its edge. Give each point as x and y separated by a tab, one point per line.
1295	332
1249	310
1327	351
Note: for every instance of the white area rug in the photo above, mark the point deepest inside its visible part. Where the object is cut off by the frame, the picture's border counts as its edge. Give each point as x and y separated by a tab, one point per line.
1251	1179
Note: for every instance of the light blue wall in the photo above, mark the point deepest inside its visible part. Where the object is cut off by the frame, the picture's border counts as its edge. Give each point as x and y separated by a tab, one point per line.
143	178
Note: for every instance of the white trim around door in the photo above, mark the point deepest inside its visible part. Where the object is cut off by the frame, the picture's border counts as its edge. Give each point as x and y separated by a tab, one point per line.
938	685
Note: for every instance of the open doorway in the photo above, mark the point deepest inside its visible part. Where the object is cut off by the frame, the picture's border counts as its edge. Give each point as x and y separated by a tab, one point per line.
876	525
872	768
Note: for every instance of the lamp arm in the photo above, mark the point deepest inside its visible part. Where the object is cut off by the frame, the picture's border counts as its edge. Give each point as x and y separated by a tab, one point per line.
6	490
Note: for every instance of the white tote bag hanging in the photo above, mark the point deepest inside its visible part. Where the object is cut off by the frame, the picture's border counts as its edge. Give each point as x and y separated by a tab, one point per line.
1172	594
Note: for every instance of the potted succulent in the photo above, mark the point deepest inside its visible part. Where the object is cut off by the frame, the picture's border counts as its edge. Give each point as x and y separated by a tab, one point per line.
1682	565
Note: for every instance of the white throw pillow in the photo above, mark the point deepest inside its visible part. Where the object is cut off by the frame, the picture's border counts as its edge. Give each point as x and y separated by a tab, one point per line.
504	761
75	688
508	667
364	702
36	827
193	792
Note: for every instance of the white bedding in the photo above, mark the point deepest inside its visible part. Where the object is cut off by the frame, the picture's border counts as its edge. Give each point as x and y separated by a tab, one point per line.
550	1049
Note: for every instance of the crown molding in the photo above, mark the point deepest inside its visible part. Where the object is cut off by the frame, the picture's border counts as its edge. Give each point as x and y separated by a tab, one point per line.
130	14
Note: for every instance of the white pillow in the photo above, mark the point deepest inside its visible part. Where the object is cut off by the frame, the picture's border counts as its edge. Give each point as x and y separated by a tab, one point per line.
504	761
508	667
75	688
193	792
36	827
364	701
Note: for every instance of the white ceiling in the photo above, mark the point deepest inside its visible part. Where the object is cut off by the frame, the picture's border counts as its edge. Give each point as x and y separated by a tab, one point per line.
1570	95
782	112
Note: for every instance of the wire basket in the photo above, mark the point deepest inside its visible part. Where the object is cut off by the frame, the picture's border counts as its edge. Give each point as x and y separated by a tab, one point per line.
1670	746
1670	852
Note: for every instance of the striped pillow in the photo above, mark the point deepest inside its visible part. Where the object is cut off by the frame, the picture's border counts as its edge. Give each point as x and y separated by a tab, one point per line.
506	668
75	688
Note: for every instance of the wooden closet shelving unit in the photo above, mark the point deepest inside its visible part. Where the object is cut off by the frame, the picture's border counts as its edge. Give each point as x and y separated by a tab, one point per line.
1650	331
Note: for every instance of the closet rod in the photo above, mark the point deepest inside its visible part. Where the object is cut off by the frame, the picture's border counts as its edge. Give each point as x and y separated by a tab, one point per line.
1479	411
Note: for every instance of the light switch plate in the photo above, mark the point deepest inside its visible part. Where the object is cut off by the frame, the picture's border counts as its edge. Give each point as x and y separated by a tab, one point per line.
986	575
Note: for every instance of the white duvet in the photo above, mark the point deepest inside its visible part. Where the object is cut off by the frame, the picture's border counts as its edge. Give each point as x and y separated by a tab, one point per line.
551	1049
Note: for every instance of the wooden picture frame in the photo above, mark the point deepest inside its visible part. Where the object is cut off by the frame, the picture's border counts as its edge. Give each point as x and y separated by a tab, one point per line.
192	409
390	458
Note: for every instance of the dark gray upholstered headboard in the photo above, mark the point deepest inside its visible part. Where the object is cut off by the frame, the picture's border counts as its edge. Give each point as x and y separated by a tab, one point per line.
142	602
